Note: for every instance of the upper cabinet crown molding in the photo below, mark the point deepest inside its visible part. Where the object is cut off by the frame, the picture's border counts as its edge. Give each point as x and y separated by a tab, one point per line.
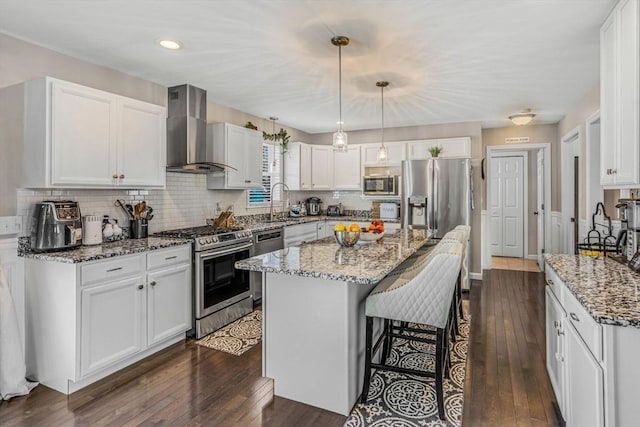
79	137
238	147
619	97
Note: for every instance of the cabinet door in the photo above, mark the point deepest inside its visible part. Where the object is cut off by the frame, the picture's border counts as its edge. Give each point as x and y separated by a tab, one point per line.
142	144
627	170
585	393
555	347
608	99
322	167
253	158
83	136
395	153
305	167
112	323
452	148
346	169
235	145
168	303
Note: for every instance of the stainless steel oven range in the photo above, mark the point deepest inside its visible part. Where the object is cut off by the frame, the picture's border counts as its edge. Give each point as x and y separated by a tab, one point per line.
221	294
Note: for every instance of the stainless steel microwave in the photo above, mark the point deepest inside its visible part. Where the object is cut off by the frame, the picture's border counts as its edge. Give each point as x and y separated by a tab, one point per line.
380	185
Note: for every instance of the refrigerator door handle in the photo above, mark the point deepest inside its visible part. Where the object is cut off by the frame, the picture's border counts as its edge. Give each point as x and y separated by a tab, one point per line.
434	200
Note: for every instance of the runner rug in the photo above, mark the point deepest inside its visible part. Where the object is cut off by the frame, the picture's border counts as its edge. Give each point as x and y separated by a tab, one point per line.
237	337
405	400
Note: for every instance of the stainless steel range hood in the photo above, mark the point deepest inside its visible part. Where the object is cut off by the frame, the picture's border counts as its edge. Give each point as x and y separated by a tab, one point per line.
187	131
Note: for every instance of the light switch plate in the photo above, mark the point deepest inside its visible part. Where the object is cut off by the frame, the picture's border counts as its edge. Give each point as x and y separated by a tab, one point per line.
10	225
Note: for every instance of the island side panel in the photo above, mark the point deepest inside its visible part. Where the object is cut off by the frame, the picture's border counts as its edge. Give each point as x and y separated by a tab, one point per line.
314	339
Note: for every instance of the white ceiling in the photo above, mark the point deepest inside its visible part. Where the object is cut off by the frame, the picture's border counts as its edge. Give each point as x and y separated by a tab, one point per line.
446	61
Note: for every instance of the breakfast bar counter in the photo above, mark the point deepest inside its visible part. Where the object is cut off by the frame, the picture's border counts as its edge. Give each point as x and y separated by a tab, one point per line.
313	314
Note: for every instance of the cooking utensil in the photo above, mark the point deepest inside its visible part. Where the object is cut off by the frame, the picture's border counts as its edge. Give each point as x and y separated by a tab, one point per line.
121	204
130	209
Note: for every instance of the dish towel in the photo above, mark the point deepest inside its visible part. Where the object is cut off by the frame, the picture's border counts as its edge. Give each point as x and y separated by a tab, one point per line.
12	366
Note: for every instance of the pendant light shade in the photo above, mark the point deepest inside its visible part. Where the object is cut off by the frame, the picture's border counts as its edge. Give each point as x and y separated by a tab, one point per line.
382	151
340	139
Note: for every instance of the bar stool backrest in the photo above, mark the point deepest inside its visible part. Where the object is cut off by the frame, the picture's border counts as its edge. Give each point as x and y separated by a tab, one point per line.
425	298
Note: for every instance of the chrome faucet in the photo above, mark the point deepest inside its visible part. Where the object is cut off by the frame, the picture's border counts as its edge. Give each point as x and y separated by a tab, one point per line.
285	188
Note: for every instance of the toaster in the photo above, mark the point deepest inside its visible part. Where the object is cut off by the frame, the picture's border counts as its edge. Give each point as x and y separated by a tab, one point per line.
56	225
334	210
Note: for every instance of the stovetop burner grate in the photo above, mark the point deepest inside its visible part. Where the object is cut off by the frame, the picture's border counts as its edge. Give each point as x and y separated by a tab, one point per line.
194	232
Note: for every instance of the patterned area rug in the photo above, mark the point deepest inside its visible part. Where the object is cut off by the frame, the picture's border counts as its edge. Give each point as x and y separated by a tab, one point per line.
401	400
236	337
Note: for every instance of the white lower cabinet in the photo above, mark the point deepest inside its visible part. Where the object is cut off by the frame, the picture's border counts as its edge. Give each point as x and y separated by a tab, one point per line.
168	305
584	386
555	346
88	320
106	338
300	233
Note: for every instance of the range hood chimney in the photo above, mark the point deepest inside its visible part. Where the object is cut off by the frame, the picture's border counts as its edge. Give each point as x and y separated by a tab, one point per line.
187	131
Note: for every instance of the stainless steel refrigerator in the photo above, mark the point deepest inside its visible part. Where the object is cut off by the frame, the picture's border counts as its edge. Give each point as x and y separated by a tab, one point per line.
436	194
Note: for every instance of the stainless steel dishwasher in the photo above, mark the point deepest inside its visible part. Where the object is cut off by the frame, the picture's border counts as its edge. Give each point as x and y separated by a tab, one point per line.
264	242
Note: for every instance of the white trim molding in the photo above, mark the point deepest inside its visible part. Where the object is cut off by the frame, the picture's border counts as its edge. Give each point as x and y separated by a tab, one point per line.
475	276
557	239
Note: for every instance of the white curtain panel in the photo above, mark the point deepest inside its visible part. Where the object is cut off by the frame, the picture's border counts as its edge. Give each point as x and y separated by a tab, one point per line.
12	366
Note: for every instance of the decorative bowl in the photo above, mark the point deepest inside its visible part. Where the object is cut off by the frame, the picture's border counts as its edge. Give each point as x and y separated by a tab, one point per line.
371	237
347	238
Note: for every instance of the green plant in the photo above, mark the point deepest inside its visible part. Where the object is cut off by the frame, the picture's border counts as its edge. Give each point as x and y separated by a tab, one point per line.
250	125
281	138
435	150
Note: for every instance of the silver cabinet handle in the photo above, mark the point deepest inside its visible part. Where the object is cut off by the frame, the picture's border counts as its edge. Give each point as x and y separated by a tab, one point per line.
247	181
140	286
574	317
171	257
153	283
114	176
559	332
114	269
121	176
614	171
556	324
549	282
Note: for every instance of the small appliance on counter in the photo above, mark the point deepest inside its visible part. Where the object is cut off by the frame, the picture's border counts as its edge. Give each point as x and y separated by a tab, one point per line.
629	212
91	230
298	210
56	224
389	211
335	210
313	205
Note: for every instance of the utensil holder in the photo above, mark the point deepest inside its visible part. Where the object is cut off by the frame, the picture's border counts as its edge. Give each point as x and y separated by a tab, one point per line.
138	228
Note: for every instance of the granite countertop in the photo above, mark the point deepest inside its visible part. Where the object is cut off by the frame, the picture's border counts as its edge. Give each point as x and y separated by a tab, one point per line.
608	290
106	250
365	263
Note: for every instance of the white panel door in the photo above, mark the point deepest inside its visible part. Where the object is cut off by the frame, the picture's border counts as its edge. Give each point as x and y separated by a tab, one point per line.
512	207
507	206
540	207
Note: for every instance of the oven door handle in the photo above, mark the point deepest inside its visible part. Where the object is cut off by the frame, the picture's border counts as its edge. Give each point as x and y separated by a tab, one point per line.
234	249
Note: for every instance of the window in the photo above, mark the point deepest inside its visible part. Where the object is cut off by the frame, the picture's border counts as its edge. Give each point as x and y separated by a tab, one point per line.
271	173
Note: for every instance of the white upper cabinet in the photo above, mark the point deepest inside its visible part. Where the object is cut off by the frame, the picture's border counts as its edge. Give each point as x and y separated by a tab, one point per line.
347	174
619	97
237	147
395	154
322	167
452	148
80	137
297	166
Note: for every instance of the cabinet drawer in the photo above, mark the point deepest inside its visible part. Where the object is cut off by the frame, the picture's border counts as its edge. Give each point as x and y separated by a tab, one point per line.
112	269
165	257
554	283
589	330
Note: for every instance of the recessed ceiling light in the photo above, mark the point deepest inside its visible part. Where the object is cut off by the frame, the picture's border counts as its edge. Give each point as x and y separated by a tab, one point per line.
171	44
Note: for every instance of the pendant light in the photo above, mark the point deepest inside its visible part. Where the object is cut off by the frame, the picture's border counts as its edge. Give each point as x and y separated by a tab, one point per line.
340	137
382	151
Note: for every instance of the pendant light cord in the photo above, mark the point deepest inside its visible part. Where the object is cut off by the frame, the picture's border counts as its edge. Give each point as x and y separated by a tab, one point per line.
340	85
382	129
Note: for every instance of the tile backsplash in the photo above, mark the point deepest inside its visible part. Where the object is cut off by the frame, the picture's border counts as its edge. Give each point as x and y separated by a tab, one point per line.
185	202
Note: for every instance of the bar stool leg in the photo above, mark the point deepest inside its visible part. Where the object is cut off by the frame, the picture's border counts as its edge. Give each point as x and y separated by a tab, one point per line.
459	291
439	362
386	347
367	360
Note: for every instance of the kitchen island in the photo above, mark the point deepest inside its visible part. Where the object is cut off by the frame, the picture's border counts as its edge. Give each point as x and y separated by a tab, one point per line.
313	314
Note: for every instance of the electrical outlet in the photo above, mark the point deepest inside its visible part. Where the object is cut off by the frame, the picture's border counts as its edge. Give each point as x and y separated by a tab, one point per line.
10	225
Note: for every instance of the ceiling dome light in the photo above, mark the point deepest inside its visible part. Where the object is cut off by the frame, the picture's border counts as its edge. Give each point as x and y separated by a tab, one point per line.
171	44
340	139
522	118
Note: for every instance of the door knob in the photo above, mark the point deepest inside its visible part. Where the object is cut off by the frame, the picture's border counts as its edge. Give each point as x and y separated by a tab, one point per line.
535	212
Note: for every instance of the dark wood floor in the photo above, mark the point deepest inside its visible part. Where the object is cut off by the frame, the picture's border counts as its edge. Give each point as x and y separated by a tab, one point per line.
191	385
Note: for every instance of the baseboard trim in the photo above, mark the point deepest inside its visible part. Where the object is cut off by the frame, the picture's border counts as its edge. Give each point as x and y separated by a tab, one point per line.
533	257
475	276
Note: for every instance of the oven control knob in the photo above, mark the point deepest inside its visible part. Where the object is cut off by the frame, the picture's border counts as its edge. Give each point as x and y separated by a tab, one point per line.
214	239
